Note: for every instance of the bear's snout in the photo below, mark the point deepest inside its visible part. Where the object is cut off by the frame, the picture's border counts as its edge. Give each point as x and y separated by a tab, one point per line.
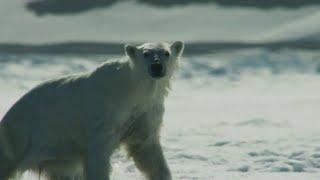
157	70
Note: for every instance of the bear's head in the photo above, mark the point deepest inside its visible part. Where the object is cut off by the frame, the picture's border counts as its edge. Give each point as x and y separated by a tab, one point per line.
157	60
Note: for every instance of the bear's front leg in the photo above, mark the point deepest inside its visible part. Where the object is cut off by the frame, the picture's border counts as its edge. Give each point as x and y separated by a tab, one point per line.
97	165
100	145
143	144
149	159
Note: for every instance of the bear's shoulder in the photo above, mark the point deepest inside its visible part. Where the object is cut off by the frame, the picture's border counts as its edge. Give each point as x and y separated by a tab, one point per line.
114	64
113	67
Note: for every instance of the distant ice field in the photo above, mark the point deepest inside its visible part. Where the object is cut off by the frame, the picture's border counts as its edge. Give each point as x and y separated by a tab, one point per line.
250	114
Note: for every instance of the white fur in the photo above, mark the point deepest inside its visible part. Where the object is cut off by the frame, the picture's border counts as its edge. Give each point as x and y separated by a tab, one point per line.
70	126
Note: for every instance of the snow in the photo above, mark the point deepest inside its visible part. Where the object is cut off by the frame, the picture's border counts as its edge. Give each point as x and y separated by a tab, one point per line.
256	120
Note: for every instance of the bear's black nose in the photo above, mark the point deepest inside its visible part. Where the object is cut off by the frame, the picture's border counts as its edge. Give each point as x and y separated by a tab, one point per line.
157	70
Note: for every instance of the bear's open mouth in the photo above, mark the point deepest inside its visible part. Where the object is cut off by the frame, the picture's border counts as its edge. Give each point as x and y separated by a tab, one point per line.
157	70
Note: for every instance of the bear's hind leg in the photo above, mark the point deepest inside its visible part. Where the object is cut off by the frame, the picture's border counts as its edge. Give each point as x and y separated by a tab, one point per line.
7	161
61	170
59	177
7	166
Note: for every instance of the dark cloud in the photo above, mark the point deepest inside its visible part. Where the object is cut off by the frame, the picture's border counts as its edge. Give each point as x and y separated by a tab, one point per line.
41	7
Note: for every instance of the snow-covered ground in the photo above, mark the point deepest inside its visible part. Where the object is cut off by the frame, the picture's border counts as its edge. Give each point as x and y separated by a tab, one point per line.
130	21
250	114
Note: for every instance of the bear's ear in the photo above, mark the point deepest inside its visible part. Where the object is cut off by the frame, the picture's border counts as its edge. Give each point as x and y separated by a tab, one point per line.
177	47
130	50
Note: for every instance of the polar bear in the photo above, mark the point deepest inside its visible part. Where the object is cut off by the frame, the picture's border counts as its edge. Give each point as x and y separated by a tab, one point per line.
67	128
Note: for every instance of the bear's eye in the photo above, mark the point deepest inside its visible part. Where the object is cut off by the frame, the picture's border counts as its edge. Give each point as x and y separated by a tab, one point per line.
146	54
166	53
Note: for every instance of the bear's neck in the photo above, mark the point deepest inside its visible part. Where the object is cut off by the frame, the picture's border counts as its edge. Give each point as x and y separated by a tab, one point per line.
148	86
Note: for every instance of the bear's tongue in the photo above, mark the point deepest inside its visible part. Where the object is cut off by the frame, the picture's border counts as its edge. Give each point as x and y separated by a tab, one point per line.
157	68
